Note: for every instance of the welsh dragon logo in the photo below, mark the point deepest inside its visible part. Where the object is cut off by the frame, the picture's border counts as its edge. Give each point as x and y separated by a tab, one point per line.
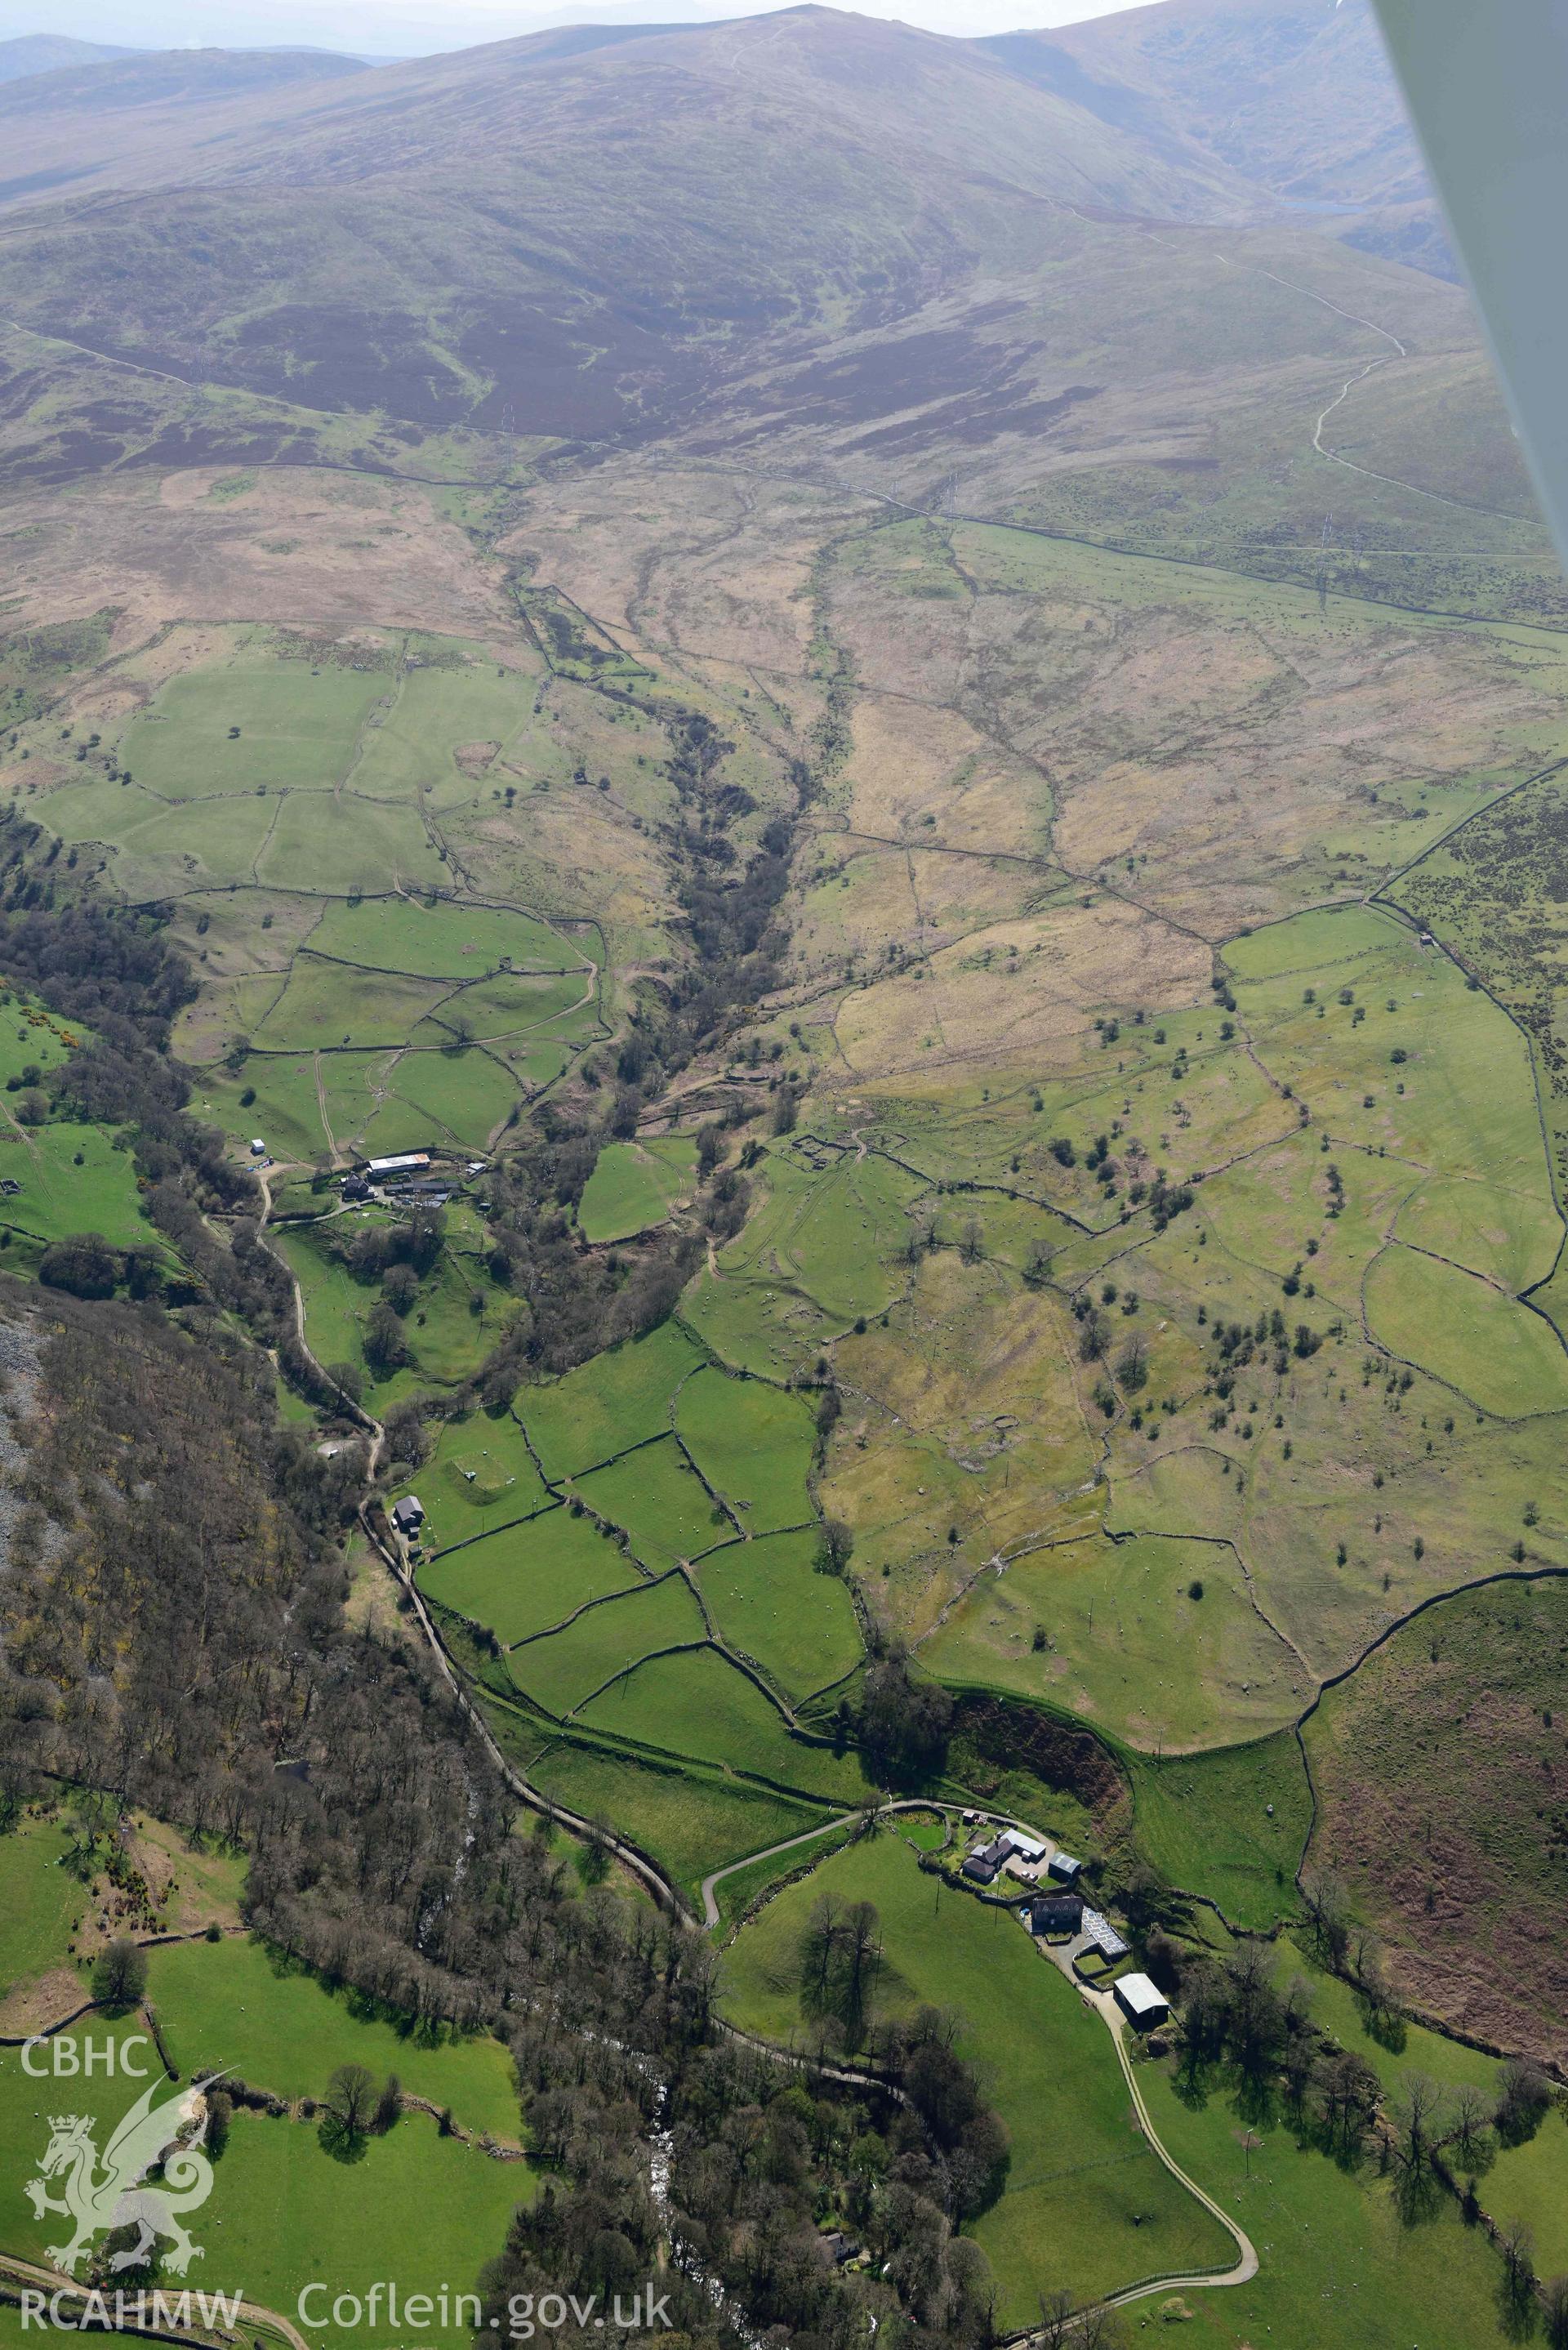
107	2192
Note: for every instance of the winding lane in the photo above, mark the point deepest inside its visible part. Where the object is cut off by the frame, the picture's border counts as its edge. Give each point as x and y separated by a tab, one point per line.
1102	2004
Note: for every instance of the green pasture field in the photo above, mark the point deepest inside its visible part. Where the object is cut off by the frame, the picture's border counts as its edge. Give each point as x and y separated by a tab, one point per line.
162	850
691	1822
335	1302
1500	1354
285	2213
1125	1644
971	1131
91	807
843	1248
656	1495
296	1198
1509	1237
479	1476
976	1427
329	1005
928	1831
31	1035
284	2210
1011	1230
334	1296
618	1399
1452	1484
1220	1107
45	1891
249	933
563	1670
394	1124
1461	1100
1088	2205
1493	893
634	1185
294	1409
241	2004
1290	1478
769	1603
381	1101
297	727
436	711
538	1057
340	847
285	1112
1530	2182
734	1895
1299	947
1330	2239
463	1096
832	1235
1203	1821
513	1003
523	1579
1400	2047
700	1705
755	1322
445	1339
57	1197
41	1900
1271	1213
754	1443
442	940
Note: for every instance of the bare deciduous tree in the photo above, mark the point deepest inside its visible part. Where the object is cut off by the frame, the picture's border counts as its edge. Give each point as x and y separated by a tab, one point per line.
1417	2116
1469	2123
350	2099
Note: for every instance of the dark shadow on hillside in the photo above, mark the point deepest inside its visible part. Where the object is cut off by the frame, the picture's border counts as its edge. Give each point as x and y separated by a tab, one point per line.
1419	2195
1196	2079
1384	2023
362	2005
343	2143
840	1963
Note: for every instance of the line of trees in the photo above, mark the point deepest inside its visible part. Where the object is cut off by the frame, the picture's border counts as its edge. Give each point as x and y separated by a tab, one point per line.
1434	2141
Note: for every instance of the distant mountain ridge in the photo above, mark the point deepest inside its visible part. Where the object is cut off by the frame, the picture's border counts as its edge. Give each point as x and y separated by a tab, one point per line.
30	57
41	52
809	222
149	78
1296	95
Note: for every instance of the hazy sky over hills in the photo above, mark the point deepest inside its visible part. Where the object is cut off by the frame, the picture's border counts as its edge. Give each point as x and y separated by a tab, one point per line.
409	27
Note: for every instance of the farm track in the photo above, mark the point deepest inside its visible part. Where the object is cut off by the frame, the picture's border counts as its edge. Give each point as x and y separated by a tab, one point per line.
1101	2003
321	1106
1247	2263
